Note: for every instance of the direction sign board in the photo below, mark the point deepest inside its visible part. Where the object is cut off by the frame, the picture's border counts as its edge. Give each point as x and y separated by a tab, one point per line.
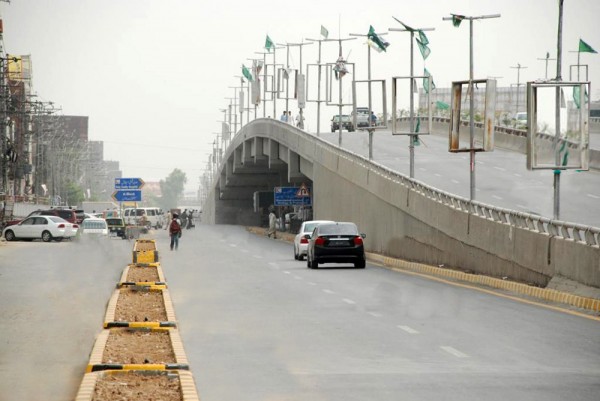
127	196
129	183
292	196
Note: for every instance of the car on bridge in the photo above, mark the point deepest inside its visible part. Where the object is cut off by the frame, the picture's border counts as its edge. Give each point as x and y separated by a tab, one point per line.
335	243
346	123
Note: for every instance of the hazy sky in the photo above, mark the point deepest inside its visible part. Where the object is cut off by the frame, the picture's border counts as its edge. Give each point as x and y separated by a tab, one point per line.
152	75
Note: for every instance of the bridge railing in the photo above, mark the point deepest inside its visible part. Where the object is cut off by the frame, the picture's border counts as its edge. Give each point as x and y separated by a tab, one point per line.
568	231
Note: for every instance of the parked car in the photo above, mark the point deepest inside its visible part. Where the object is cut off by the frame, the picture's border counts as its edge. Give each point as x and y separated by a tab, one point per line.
304	233
94	227
46	228
335	243
116	227
346	122
67	214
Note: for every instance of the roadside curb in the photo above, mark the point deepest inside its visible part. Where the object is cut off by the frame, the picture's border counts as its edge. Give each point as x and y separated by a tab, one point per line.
551	295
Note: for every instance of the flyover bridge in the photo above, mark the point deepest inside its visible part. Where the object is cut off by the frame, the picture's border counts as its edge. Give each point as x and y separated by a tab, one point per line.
402	217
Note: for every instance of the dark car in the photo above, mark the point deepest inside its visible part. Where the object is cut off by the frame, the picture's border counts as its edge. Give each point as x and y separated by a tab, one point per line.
116	227
346	123
336	243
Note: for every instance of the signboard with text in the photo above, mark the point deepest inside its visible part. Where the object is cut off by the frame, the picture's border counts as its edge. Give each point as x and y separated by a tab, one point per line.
129	183
292	196
127	196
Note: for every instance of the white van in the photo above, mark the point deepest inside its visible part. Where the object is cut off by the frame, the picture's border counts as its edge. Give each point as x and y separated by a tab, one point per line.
134	216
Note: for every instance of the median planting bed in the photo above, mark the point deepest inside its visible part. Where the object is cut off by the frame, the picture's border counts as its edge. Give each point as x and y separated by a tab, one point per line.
139	355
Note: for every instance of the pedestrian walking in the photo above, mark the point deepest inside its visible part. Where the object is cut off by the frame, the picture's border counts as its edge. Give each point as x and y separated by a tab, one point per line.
272	222
175	231
168	220
284	117
290	119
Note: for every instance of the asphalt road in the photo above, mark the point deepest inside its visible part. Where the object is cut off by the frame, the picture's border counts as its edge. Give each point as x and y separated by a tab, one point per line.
501	177
258	325
53	298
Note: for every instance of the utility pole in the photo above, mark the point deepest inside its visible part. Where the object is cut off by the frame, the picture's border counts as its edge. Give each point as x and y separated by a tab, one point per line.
264	97
300	84
233	102
518	67
557	112
319	101
411	121
546	59
472	92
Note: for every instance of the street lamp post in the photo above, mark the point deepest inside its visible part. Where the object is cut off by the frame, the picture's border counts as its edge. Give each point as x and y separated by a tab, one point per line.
518	67
340	100
411	120
546	59
472	97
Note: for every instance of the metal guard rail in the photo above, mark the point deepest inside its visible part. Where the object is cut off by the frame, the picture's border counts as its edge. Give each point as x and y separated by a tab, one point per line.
568	231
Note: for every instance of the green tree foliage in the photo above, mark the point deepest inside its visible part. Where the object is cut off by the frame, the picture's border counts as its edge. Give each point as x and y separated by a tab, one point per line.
74	193
172	189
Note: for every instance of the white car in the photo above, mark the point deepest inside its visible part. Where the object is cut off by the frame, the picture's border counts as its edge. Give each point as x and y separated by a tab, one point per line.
300	241
46	228
94	227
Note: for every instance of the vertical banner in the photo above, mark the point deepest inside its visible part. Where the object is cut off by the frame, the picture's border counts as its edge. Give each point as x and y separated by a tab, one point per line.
241	101
225	131
301	89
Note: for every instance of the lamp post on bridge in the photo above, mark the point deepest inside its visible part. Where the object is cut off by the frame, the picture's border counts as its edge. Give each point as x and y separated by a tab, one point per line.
411	119
518	67
546	59
456	20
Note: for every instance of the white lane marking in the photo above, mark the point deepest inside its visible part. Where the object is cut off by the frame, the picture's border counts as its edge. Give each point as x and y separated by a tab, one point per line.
286	272
454	351
437	175
348	301
273	264
257	256
517	175
244	250
499	168
422	169
593	196
409	330
522	206
298	277
326	291
311	283
375	314
233	245
497	197
455	181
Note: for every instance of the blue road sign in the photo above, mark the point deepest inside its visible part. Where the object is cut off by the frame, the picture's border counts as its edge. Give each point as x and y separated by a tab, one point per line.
127	196
129	183
292	196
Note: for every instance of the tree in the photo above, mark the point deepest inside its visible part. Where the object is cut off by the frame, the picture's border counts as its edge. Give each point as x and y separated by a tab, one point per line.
74	194
172	189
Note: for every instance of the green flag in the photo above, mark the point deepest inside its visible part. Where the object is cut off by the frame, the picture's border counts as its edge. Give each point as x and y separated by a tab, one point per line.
423	38
269	44
324	32
418	127
426	81
577	95
425	51
246	72
375	41
457	19
585	48
442	105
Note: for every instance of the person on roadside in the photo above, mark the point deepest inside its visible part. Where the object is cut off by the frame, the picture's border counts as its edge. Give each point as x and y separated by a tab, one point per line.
272	222
175	231
168	219
290	119
283	117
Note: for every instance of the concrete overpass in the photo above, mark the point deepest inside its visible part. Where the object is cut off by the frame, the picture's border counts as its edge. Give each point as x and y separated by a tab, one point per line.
402	217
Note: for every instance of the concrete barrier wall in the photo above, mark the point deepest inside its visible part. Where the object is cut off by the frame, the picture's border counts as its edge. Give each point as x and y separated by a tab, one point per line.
402	218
